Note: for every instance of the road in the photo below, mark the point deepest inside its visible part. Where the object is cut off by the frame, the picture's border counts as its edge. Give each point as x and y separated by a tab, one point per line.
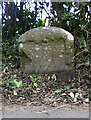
28	111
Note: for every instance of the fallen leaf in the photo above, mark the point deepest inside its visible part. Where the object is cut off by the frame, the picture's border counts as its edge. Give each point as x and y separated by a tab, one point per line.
86	100
48	77
72	94
54	77
34	91
14	92
38	89
76	95
63	94
75	99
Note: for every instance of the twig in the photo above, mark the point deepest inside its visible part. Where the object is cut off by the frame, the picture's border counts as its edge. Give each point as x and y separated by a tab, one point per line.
82	85
47	13
74	90
87	31
86	24
46	111
78	54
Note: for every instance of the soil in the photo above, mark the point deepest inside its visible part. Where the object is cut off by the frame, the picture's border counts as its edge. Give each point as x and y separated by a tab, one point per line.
52	89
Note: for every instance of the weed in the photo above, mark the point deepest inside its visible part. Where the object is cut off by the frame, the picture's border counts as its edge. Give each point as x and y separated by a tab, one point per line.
43	91
57	91
6	82
68	87
17	84
3	109
34	80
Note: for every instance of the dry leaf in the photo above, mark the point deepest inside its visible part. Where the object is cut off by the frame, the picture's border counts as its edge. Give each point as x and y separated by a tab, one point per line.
14	92
34	91
72	94
53	77
19	100
63	94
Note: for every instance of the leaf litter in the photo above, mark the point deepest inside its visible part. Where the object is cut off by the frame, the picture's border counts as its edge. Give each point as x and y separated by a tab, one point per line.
49	89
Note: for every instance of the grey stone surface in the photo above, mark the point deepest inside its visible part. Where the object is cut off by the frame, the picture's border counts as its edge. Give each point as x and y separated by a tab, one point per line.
46	49
44	112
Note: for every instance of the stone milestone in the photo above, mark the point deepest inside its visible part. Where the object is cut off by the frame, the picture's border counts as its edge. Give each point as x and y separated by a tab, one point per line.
46	49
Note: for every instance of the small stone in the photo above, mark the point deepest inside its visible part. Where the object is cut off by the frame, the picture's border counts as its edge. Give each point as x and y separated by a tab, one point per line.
21	45
14	92
54	104
65	100
38	89
49	77
61	56
86	100
35	103
43	84
22	98
37	49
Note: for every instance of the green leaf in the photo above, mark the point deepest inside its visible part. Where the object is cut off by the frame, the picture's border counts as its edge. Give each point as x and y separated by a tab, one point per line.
17	84
81	26
20	84
57	91
29	86
14	83
16	57
15	76
35	79
10	99
68	87
89	89
3	109
78	59
6	68
10	57
85	45
86	50
90	102
31	77
43	91
88	62
35	85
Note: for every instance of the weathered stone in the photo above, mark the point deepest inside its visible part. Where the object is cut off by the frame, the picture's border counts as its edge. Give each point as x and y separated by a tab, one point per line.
46	49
